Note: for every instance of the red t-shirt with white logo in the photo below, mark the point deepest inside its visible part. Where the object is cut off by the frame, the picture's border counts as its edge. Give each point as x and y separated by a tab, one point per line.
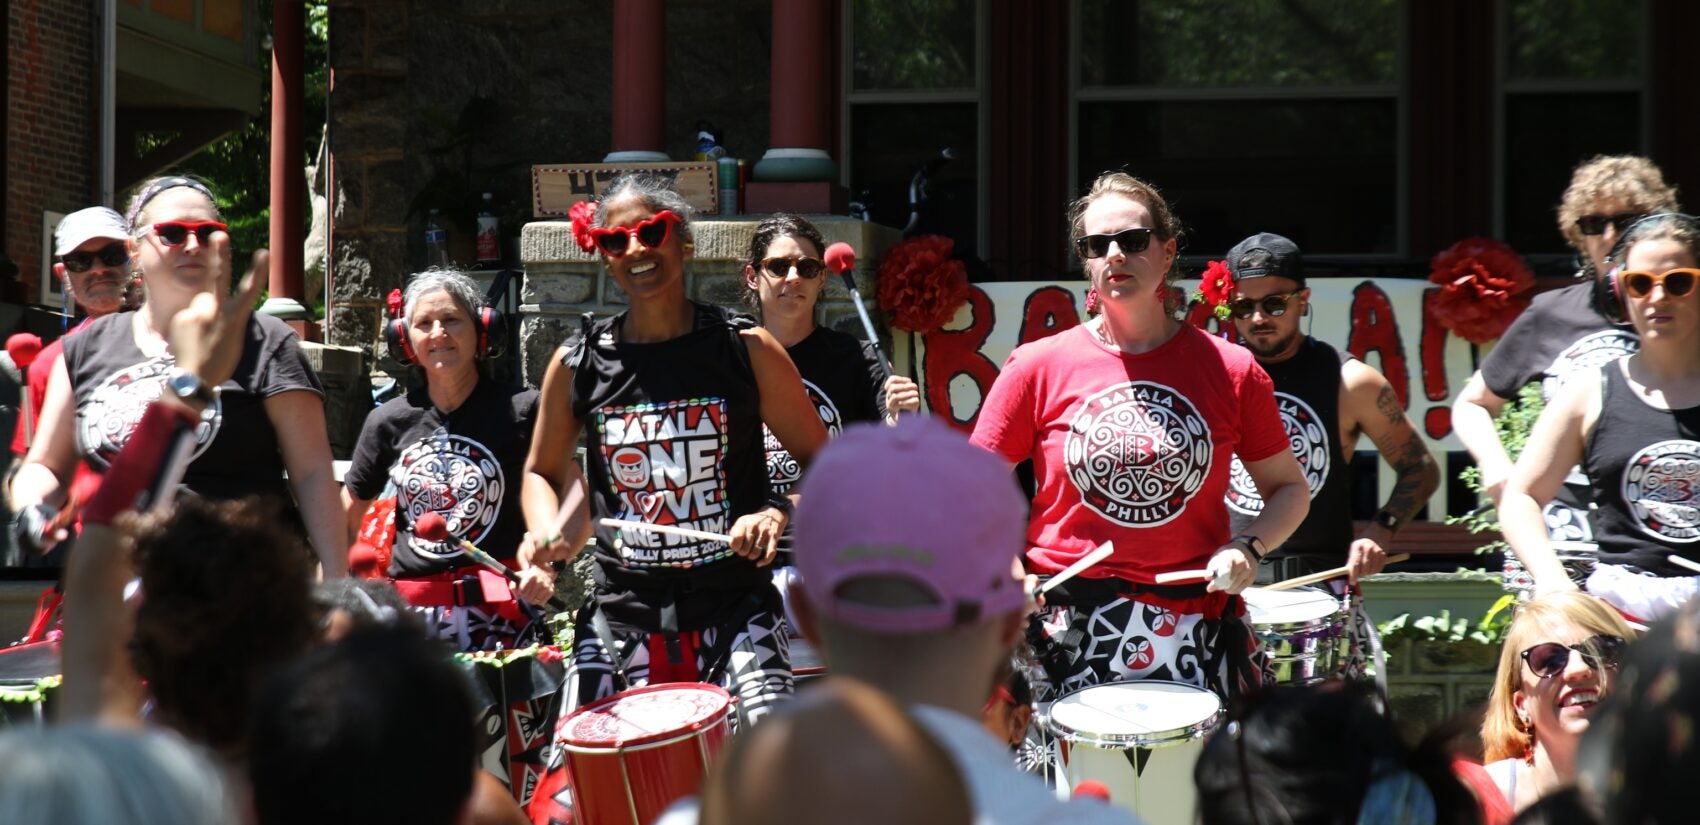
1132	449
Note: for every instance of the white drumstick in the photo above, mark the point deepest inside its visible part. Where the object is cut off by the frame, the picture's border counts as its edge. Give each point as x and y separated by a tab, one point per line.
1183	575
666	528
1325	575
1682	562
1103	552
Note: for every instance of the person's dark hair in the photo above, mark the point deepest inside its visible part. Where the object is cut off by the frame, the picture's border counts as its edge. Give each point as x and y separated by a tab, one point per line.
1317	756
776	226
1566	806
226	598
370	603
656	192
376	728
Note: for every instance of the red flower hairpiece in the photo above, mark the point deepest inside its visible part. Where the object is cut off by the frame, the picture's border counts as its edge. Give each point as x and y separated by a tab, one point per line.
394	303
1216	288
1484	287
583	214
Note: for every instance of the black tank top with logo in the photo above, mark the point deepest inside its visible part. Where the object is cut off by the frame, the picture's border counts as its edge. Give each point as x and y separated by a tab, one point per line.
1645	465
674	437
1307	393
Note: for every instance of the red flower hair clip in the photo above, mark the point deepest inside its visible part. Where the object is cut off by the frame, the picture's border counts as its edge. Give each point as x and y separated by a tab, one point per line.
583	214
1216	288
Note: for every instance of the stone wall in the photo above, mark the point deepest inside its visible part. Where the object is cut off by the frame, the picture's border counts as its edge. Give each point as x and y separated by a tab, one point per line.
438	101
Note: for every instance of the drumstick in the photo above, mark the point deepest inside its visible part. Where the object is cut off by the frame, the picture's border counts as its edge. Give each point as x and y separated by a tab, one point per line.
1682	562
1183	575
431	527
1325	575
667	528
1103	552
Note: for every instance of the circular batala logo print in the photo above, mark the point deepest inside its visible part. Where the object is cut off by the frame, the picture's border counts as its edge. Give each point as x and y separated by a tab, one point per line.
1308	437
783	471
1138	452
106	420
1661	485
456	477
1589	353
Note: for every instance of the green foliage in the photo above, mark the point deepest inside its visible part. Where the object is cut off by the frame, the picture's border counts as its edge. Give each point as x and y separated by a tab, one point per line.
1490	629
913	44
1513	425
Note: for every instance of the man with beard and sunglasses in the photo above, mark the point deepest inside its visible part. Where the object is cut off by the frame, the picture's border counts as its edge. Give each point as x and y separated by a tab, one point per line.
1328	401
94	269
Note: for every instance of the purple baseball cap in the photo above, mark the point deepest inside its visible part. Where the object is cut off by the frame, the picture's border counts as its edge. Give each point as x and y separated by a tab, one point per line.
918	503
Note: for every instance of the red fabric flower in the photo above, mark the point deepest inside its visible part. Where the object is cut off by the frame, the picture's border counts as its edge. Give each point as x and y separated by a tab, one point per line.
394	303
583	214
1484	287
920	286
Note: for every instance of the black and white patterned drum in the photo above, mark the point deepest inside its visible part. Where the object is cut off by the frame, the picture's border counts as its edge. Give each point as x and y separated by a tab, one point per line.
1303	630
1140	739
1578	558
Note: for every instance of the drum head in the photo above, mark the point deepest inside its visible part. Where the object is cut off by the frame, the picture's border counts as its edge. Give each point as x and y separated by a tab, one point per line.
644	715
28	664
1143	714
1300	605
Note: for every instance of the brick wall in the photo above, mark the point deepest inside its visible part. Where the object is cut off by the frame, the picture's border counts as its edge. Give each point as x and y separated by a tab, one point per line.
51	131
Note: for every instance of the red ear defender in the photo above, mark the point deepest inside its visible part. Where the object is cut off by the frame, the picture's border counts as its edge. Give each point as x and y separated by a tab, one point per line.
395	340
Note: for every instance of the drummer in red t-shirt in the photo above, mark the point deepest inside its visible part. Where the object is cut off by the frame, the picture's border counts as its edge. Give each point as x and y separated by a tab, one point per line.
1131	420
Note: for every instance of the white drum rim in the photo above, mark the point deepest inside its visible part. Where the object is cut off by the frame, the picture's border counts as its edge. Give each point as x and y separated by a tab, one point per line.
1149	739
613	748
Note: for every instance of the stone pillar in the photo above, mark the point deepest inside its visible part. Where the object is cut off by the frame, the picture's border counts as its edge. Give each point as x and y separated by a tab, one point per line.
799	109
640	87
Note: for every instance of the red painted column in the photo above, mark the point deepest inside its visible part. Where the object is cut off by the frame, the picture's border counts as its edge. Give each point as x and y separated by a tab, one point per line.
287	184
640	89
798	172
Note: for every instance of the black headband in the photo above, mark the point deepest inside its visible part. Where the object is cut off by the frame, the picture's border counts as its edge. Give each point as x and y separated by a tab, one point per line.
160	185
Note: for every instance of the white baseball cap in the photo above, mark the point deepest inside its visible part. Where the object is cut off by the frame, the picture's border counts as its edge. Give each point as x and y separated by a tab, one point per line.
83	225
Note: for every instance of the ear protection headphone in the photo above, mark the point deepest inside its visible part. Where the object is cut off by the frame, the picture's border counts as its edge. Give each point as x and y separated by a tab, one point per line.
1608	291
491	324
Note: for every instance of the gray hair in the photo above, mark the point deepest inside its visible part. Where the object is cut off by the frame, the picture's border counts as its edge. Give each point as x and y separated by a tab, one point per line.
456	283
656	192
83	775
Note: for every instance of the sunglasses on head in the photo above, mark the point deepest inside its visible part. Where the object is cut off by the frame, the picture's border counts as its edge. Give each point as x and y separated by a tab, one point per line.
1596	224
1273	306
1549	659
651	232
176	233
111	256
1132	242
1677	282
806	267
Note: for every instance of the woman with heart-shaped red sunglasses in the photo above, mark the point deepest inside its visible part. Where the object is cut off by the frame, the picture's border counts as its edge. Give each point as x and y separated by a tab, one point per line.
671	396
1634	428
263	433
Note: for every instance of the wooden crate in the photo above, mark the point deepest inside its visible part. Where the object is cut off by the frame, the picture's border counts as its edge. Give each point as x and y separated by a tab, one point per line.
555	187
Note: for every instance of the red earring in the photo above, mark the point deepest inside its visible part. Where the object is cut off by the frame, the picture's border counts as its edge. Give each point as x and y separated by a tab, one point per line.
1092	301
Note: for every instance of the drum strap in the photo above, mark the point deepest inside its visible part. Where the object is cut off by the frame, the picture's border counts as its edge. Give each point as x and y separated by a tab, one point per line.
605	634
1084	592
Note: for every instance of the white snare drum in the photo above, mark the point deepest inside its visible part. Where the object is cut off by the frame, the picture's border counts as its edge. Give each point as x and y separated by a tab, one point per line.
1138	738
1303	631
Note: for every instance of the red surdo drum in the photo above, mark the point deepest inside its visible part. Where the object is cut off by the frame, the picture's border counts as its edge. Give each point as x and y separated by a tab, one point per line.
631	755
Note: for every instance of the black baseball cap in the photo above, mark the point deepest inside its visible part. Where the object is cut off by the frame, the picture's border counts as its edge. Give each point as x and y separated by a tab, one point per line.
1281	257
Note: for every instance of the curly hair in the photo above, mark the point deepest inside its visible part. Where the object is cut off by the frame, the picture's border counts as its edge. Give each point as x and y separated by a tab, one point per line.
226	599
1631	180
776	226
1503	737
1163	219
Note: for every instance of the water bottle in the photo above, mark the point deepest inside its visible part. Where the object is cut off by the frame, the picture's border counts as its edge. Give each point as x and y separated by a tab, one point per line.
489	234
436	243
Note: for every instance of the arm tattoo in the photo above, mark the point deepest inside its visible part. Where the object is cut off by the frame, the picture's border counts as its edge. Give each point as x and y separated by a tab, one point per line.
1387	403
1403	449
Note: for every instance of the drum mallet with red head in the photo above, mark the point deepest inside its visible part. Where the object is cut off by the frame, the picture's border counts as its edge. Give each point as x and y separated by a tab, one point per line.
841	258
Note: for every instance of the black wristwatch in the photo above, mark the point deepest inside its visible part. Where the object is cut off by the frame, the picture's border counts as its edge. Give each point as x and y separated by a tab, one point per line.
782	504
1254	544
189	386
1386	519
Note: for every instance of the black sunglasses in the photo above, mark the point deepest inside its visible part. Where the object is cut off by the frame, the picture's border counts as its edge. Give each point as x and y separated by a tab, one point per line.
1549	659
1132	242
1273	306
1596	224
112	256
806	267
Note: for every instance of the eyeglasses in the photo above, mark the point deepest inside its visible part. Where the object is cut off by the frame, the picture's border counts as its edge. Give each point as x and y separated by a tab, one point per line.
806	267
111	256
176	233
1549	659
1677	282
651	232
1596	224
1273	306
1132	242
